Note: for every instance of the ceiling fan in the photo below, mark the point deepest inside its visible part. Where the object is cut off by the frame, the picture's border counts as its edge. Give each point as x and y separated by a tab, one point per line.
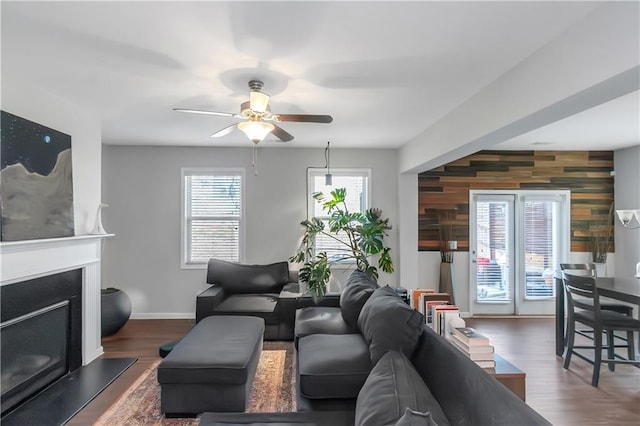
259	120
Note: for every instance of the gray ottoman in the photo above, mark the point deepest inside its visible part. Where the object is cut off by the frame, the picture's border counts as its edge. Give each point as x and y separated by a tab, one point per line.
212	368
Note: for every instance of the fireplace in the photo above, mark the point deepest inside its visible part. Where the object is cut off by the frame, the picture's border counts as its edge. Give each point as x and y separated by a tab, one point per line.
59	277
22	261
41	333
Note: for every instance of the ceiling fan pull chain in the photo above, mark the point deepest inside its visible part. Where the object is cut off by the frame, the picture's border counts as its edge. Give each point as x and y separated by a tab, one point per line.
254	160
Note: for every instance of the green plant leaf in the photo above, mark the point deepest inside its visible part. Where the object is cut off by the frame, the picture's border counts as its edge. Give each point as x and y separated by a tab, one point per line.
385	262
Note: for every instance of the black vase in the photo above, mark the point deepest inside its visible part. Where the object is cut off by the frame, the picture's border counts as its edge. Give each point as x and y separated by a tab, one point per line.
116	310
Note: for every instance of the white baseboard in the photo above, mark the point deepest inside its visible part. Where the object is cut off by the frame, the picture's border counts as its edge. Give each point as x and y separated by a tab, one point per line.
160	315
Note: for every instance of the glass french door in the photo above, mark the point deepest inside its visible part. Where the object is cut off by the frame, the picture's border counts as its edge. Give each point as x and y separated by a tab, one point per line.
517	240
492	254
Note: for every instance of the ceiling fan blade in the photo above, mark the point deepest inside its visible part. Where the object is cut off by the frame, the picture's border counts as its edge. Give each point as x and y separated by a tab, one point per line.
303	118
199	111
224	131
281	134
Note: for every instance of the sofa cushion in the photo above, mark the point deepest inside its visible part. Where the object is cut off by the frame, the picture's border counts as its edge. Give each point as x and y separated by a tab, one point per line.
239	278
320	320
393	386
255	305
389	324
332	366
357	291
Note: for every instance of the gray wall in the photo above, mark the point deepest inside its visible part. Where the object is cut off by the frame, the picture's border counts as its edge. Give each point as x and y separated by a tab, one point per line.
627	196
142	186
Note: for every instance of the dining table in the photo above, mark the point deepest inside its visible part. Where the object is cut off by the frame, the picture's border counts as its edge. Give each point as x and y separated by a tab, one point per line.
624	289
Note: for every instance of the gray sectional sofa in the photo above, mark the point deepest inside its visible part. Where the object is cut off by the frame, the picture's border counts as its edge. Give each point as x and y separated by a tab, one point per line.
371	361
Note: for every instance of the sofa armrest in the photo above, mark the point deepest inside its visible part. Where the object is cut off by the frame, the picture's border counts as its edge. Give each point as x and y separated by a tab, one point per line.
287	305
290	290
467	393
330	299
207	300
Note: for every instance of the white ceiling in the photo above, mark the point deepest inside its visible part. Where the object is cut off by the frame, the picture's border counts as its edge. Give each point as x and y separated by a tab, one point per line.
385	71
609	126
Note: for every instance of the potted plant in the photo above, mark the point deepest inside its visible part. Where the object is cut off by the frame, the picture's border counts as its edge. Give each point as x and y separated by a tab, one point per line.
360	236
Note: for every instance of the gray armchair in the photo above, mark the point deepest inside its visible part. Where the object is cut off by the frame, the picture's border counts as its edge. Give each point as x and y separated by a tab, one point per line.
266	291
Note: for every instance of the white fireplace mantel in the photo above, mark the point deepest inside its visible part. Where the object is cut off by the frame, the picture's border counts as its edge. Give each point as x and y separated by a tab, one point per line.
25	260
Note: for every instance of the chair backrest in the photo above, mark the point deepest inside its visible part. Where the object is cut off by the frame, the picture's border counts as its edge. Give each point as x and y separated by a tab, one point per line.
588	269
581	293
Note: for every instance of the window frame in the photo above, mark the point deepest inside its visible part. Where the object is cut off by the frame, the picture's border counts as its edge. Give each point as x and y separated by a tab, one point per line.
350	172
185	219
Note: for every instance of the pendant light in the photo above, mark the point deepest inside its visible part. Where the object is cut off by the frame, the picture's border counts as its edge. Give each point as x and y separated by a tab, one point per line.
328	179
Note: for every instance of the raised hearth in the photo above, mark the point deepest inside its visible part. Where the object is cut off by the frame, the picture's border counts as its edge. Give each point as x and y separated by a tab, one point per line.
41	334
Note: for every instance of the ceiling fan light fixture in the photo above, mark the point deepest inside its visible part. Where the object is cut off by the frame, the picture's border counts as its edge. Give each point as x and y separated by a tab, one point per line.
259	102
256	130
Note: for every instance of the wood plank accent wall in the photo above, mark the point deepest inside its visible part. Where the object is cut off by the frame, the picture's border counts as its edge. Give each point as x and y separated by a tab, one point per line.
586	173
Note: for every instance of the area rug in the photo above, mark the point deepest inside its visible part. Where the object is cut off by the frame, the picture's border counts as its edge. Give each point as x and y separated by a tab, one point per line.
273	390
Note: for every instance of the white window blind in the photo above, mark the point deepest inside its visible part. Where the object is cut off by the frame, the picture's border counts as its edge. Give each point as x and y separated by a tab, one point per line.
541	245
356	183
493	248
212	215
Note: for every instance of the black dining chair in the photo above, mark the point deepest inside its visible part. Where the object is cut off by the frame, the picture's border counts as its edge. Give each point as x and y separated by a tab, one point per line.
589	269
583	303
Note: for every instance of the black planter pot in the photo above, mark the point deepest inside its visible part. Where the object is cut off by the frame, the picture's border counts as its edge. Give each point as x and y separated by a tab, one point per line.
116	310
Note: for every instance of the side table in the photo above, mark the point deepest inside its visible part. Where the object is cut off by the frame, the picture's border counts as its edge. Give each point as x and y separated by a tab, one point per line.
510	376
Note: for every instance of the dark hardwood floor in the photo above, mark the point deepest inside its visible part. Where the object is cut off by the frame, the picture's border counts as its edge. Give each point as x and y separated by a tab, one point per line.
140	339
564	397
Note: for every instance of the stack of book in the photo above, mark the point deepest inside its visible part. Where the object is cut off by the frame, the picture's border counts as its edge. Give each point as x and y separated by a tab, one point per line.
475	345
416	302
441	314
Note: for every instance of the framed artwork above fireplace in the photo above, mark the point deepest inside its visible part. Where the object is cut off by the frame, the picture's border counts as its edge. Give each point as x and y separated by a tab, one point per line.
36	190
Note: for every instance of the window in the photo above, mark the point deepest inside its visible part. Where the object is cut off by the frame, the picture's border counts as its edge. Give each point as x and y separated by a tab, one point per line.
356	182
212	215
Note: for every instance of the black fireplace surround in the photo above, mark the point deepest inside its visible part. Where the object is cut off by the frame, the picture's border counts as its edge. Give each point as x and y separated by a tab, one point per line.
56	304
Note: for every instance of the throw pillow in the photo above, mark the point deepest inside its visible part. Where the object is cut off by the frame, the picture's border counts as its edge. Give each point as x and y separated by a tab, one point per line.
392	387
389	324
357	291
